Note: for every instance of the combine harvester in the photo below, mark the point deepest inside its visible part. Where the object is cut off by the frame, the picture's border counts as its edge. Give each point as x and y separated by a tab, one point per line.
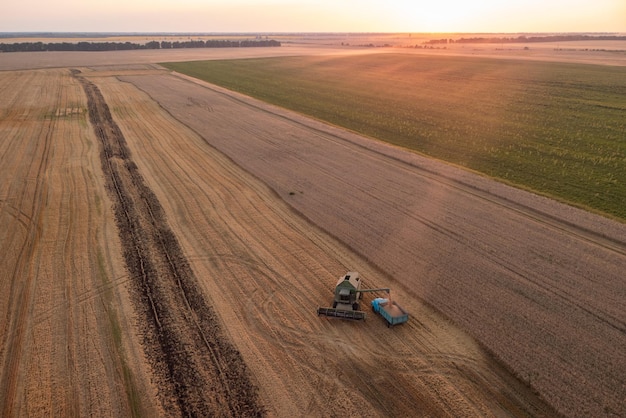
348	292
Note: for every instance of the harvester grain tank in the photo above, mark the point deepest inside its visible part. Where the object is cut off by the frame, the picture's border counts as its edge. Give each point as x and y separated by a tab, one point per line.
348	292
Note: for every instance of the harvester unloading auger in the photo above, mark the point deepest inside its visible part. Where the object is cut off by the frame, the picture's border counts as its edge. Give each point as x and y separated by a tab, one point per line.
348	292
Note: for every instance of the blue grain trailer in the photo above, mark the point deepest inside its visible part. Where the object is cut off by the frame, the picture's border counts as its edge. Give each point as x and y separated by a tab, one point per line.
393	313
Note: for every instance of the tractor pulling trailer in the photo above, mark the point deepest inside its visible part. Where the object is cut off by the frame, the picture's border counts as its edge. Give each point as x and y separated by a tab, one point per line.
348	293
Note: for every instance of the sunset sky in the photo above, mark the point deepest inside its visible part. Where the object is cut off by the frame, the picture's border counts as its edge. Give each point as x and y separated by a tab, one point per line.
314	16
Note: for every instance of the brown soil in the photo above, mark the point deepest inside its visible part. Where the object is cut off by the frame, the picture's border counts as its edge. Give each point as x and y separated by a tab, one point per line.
234	221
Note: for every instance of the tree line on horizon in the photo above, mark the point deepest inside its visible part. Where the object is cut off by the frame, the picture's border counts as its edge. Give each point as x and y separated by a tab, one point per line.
524	39
123	46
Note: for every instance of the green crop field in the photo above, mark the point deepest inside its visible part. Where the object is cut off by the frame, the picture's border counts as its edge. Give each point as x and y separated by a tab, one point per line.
558	129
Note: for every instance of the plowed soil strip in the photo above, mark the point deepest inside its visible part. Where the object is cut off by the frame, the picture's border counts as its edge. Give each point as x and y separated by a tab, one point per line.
199	372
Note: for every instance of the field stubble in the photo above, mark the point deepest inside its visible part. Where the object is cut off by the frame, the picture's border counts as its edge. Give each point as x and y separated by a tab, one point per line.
537	282
74	340
65	348
265	269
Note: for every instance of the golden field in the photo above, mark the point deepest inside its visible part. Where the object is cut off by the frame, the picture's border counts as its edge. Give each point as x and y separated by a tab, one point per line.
167	243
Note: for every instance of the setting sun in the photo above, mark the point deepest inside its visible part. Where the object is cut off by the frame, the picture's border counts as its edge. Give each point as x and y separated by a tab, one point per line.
436	16
512	16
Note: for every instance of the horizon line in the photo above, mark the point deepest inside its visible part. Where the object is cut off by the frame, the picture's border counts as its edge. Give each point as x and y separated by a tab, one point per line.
295	32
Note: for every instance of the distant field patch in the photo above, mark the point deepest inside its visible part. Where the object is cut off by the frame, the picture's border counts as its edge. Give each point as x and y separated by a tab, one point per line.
555	128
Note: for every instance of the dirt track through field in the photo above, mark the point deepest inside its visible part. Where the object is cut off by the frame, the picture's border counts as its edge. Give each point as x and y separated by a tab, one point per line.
200	373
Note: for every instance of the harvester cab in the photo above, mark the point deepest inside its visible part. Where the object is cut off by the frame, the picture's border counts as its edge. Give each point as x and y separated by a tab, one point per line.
348	292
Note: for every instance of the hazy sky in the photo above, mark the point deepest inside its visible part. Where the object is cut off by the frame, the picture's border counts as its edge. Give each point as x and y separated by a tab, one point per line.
313	16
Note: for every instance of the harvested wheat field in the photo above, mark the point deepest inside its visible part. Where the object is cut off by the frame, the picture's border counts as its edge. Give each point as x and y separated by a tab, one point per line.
166	245
66	348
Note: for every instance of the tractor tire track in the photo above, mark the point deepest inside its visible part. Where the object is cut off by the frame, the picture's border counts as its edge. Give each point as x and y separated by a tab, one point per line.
198	370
